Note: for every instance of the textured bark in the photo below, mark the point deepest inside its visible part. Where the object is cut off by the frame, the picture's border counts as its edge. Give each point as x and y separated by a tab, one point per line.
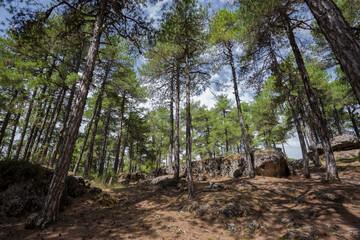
171	136
33	132
26	122
16	122
331	170
341	38
312	145
119	136
353	121
338	122
7	117
121	164
244	134
50	210
177	128
191	189
90	154
50	132
60	137
106	133
87	134
42	127
294	114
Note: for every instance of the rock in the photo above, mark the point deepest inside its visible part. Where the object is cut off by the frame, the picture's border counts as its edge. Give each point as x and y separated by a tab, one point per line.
164	181
31	221
231	211
271	164
342	143
24	186
252	225
127	178
296	235
296	164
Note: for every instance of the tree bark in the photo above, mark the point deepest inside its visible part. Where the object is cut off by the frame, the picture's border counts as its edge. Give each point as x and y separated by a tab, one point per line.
353	121
121	164
51	127
244	134
171	137
42	127
77	164
331	170
103	152
294	114
7	117
16	122
338	122
341	38
118	145
28	114
177	128
191	189
60	138
89	158
50	209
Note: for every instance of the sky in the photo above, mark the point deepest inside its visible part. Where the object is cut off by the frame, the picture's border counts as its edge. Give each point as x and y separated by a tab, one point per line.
292	147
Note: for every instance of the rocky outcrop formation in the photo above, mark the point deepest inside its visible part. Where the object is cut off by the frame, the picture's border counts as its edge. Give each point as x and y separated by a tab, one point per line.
127	178
23	187
267	163
342	143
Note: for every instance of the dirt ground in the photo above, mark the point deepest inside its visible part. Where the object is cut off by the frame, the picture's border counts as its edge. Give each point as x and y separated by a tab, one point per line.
260	208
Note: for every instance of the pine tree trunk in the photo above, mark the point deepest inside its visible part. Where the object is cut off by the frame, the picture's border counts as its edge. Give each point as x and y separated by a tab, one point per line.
171	137
48	136
339	125
118	145
121	164
244	134
103	152
77	164
42	127
312	146
353	121
331	170
191	189
294	114
16	122
60	137
7	117
177	128
32	133
28	114
50	209
89	158
341	38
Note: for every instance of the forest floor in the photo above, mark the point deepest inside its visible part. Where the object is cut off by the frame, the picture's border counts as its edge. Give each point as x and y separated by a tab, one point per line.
260	208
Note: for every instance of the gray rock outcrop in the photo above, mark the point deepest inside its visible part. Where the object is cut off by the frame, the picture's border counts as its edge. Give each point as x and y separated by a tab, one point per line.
342	143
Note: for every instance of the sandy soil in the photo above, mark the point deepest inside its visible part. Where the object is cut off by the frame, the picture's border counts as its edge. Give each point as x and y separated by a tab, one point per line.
271	208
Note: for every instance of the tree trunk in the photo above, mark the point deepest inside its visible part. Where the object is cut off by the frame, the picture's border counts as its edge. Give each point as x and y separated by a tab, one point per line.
331	171
191	189
7	117
38	138
312	146
341	38
50	209
48	136
118	145
76	168
28	114
16	122
294	114
89	158
353	121
171	137
60	138
177	128
339	125
121	164
244	134
103	152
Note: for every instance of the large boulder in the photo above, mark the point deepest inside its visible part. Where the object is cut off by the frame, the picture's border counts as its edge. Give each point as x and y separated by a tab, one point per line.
126	178
270	164
342	143
23	187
